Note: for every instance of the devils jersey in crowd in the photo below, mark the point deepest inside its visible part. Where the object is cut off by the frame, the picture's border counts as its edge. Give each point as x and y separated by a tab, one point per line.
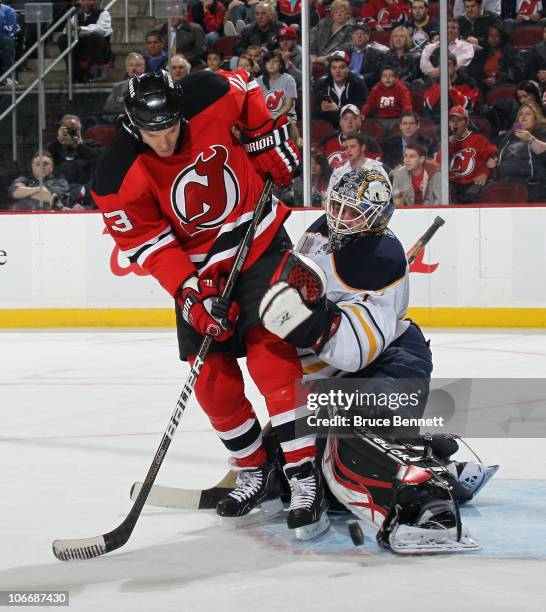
174	214
368	280
468	158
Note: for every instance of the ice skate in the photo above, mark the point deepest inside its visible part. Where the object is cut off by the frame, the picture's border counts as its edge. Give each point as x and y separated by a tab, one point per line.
307	514
257	488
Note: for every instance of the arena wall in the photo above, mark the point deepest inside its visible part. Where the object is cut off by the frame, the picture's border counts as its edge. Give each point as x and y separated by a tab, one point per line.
485	267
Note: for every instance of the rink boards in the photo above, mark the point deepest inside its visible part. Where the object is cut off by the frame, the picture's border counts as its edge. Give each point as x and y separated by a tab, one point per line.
484	267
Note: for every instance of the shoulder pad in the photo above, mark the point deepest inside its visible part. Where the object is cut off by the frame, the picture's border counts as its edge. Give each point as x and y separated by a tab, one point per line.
114	163
372	262
319	227
202	89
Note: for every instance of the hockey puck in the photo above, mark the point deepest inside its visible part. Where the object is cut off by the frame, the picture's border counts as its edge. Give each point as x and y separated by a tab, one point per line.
356	533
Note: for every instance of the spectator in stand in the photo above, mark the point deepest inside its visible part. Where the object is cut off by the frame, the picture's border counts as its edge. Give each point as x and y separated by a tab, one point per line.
536	61
320	177
290	53
388	99
422	26
418	182
262	32
279	88
186	38
338	88
502	114
493	6
247	63
462	50
27	193
134	66
522	12
289	12
395	146
333	33
155	56
238	15
497	62
385	14
215	60
180	67
74	158
471	159
94	26
209	14
256	52
8	33
522	152
402	56
463	90
474	23
366	56
355	145
333	145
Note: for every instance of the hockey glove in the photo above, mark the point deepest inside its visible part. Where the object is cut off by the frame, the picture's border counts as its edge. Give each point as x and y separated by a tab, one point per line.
205	310
295	308
272	152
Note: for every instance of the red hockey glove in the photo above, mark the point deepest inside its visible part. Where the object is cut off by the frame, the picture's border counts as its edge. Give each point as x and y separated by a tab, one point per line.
273	152
205	310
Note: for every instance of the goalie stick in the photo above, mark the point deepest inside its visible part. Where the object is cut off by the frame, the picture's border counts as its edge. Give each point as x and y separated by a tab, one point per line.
206	499
87	548
424	240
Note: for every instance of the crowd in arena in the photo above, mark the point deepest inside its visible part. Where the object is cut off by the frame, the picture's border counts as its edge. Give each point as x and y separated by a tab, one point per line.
375	91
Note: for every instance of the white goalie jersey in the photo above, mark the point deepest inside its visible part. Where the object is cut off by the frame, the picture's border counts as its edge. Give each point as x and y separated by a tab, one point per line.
368	280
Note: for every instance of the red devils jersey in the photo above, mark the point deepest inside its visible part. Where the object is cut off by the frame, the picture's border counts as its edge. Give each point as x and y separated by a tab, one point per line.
334	150
175	215
468	158
528	7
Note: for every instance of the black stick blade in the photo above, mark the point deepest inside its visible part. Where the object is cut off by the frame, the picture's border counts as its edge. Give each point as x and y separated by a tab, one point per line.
83	548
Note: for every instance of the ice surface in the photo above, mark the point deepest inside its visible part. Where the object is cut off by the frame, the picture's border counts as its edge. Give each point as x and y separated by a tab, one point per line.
82	414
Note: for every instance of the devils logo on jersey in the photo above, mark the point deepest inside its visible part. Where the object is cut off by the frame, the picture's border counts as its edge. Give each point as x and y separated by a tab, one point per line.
273	100
463	162
204	194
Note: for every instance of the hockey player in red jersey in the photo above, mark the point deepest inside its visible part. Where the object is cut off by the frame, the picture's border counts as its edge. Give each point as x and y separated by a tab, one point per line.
177	193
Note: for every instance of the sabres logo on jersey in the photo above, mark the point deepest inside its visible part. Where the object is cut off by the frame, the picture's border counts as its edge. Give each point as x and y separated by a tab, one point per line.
205	193
463	162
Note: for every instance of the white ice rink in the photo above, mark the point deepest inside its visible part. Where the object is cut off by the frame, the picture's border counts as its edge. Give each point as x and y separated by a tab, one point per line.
82	414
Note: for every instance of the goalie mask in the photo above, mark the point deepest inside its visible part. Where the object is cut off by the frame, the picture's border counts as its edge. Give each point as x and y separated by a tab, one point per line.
361	201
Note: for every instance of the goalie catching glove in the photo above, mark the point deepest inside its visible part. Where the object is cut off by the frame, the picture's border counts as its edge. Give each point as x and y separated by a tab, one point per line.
205	310
295	306
272	152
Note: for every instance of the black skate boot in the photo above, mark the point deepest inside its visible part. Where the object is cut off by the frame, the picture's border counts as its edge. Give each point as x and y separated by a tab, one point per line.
259	486
308	506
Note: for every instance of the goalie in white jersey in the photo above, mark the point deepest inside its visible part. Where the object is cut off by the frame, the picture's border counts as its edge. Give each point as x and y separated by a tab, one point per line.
342	299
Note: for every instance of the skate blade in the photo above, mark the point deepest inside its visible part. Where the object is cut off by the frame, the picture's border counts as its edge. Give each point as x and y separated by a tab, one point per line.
262	513
410	540
490	471
314	530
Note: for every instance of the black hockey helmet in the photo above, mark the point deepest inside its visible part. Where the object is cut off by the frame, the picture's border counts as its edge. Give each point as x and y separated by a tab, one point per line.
153	102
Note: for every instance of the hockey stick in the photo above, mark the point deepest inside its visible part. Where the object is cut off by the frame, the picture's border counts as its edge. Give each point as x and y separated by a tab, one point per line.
425	238
87	548
206	499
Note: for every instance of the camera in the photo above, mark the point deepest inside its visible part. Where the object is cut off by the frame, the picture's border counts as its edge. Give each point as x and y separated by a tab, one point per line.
72	131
